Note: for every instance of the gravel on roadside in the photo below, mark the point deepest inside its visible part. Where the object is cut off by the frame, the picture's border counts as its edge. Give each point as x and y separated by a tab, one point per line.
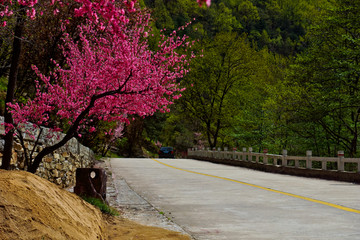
132	206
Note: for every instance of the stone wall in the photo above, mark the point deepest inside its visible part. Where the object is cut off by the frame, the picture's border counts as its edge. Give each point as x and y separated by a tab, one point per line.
58	167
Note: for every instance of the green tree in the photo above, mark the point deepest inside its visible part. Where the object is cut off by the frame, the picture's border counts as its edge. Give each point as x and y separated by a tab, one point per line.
216	83
162	16
328	75
255	126
224	20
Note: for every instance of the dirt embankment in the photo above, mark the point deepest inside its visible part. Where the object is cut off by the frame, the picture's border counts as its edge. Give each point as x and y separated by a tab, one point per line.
33	208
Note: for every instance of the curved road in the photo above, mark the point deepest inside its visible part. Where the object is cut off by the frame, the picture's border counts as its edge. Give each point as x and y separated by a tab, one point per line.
212	201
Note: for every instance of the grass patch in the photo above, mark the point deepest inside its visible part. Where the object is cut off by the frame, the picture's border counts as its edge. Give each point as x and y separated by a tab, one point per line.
98	157
114	155
148	153
101	205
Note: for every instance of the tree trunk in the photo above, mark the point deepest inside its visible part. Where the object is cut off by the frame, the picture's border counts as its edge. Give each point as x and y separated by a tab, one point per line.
208	134
47	150
15	59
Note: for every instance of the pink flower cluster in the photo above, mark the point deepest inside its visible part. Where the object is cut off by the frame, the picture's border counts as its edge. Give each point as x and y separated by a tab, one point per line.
108	75
207	2
106	9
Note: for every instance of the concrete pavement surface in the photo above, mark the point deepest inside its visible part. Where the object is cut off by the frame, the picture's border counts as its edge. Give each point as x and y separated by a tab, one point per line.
213	201
131	205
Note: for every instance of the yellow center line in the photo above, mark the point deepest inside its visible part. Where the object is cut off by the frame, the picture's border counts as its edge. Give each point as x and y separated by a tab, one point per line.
267	189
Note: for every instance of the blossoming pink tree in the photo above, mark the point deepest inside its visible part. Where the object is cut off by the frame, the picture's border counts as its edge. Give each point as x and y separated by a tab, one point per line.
110	72
18	12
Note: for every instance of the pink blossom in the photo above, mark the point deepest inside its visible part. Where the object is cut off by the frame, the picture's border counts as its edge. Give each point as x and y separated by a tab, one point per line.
207	2
110	78
31	13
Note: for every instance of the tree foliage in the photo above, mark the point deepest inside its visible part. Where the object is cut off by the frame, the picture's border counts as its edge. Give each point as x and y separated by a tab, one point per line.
311	105
327	74
221	84
109	74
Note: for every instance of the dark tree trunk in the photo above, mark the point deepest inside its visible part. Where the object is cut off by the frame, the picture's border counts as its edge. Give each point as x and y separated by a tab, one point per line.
47	150
16	52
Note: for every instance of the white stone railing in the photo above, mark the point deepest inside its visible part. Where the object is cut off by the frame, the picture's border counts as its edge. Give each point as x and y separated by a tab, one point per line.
306	162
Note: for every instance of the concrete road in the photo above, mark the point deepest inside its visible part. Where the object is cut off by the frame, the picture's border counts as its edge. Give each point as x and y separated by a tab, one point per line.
212	201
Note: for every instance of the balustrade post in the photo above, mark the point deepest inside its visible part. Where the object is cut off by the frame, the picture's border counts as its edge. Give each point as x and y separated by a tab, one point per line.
243	154
323	165
250	154
265	159
340	161
308	161
283	158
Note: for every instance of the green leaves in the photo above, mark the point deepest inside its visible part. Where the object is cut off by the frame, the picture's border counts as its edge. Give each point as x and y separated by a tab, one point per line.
226	83
329	72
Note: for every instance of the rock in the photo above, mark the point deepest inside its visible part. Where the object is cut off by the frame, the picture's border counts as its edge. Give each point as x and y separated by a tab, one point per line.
55	173
58	181
17	146
52	165
14	158
48	159
59	166
29	147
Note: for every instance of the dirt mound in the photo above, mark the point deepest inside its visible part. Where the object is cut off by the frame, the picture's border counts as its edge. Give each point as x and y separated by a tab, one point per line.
34	208
122	229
